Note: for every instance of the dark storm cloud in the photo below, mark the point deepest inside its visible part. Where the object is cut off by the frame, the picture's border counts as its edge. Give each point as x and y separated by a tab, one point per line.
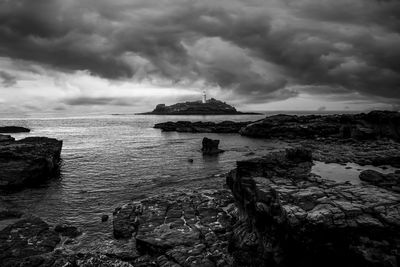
255	48
92	101
7	79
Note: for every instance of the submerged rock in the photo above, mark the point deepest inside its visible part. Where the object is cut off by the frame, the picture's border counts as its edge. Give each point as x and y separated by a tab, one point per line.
67	230
210	146
293	218
29	161
14	129
104	218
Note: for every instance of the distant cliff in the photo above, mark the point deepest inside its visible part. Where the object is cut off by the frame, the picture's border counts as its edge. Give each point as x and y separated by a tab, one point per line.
211	107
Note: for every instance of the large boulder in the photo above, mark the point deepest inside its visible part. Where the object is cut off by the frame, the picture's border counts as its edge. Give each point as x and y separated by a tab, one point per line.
6	138
210	146
29	161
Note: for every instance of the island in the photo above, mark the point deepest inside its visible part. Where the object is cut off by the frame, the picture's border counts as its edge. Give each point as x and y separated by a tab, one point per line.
202	107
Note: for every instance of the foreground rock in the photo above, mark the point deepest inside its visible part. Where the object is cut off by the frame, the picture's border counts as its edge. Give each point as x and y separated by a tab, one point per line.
201	127
210	107
373	125
13	129
389	181
29	161
293	218
180	229
210	147
24	239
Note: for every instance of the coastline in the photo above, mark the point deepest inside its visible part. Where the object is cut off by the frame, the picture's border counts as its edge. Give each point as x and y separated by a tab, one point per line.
218	230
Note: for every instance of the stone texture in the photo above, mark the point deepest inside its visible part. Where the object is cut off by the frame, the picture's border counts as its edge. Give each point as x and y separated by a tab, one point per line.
25	238
293	218
6	138
29	161
390	181
182	229
67	230
210	146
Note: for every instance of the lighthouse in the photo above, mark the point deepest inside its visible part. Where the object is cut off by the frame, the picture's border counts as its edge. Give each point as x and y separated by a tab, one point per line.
204	100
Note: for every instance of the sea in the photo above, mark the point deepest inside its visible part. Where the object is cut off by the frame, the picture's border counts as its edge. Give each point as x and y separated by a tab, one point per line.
110	160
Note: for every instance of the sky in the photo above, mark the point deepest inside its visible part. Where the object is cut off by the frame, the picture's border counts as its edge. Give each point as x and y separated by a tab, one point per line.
71	56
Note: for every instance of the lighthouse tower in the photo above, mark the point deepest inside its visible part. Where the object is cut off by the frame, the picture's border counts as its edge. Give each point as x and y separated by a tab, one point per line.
204	100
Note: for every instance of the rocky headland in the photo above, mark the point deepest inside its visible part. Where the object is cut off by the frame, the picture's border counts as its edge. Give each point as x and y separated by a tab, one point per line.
210	107
29	161
14	129
363	126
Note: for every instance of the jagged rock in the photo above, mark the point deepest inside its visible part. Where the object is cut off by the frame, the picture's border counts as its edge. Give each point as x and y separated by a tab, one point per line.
201	127
6	138
373	125
67	230
390	181
14	129
27	237
29	161
184	229
293	218
210	146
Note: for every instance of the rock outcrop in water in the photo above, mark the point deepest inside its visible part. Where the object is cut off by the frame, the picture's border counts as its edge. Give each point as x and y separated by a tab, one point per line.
211	107
373	125
201	127
29	161
293	218
14	129
210	146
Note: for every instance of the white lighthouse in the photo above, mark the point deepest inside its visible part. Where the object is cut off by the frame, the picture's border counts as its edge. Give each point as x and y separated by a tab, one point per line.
204	100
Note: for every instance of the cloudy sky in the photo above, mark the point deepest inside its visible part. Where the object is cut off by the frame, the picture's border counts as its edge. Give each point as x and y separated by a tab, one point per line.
128	55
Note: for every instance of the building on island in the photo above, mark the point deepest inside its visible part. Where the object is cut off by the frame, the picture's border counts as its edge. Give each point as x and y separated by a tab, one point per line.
204	97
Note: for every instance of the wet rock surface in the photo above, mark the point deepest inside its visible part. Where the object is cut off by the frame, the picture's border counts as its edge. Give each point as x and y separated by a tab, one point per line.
182	229
6	138
294	218
26	238
210	147
201	127
390	181
67	230
14	129
29	161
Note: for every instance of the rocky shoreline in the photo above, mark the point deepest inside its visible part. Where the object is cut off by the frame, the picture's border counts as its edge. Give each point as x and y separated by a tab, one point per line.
268	211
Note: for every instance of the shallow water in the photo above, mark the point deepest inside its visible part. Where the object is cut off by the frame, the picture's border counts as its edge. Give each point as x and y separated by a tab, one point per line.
348	172
110	160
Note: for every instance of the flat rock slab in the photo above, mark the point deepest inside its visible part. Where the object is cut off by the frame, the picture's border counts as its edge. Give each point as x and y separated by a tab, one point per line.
14	129
182	229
